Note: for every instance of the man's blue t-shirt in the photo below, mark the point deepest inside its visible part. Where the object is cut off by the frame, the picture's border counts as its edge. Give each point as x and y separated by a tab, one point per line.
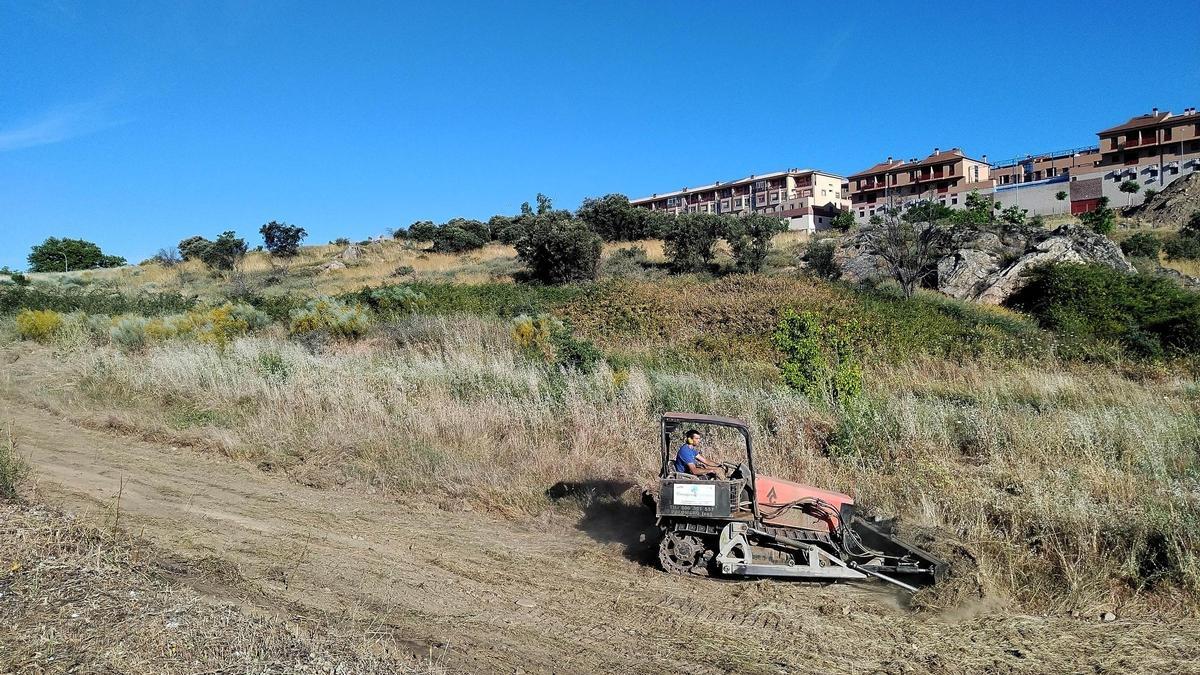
686	455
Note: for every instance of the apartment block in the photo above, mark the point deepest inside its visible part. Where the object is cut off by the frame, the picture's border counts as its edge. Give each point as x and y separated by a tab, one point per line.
1042	183
1152	149
944	176
807	198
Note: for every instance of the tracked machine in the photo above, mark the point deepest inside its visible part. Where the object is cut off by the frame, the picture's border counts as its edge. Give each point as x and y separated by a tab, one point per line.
746	524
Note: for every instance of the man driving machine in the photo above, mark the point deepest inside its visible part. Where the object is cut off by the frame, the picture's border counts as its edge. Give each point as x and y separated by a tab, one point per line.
689	460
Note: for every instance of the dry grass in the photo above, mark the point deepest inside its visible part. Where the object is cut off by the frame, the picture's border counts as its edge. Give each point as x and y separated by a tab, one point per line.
380	262
77	599
1071	489
1188	267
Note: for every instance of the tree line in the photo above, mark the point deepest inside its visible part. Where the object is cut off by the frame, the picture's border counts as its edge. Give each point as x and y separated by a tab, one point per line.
559	246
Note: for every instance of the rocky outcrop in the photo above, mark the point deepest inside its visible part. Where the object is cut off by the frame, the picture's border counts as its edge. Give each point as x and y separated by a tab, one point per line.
1173	206
989	266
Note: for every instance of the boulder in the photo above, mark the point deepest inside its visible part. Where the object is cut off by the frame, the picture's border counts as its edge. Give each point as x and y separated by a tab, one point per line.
352	252
987	266
965	273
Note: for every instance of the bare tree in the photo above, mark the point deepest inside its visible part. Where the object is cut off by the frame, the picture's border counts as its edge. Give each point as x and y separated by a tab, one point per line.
910	239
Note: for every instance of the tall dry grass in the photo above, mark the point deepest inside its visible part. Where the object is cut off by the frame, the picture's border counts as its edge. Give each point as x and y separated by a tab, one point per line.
1069	488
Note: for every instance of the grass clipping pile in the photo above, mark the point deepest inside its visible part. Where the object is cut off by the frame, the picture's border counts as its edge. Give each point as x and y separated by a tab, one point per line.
78	599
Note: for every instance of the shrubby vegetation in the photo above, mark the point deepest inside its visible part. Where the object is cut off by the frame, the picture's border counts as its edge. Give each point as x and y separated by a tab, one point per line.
559	250
819	358
1186	245
64	255
1099	312
1142	245
223	253
331	316
281	239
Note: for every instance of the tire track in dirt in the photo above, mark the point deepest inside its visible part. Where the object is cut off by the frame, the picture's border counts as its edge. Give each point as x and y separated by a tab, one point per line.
488	594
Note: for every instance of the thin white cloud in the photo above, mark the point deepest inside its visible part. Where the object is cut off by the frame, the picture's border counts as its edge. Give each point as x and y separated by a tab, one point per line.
57	125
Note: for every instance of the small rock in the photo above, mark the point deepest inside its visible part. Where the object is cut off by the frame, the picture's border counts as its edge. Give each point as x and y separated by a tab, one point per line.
846	610
526	603
1108	616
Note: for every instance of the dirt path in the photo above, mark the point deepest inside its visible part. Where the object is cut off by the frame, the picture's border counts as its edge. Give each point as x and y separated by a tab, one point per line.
481	593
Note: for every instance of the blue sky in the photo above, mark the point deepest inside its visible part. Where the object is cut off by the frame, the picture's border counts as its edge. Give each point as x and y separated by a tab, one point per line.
138	124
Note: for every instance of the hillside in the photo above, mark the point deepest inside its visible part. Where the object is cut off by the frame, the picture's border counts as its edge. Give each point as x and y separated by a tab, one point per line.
1049	456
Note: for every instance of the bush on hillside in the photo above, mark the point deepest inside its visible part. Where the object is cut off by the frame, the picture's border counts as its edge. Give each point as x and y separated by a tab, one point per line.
397	299
843	221
130	334
38	325
1101	219
819	359
224	253
615	219
422	230
1142	245
190	248
453	238
13	468
281	239
1186	246
1088	305
819	256
92	300
690	241
628	261
63	255
332	316
559	249
546	338
750	237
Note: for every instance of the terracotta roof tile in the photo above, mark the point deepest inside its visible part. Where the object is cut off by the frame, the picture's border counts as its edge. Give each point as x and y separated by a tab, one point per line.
1137	123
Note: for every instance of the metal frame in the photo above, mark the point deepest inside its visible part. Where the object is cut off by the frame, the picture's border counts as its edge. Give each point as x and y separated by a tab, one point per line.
711	420
819	563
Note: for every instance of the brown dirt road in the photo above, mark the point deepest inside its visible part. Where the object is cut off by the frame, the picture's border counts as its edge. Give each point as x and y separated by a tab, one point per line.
485	594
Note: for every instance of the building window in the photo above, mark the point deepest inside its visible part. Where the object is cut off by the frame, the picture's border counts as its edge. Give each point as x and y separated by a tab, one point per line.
672	201
954	200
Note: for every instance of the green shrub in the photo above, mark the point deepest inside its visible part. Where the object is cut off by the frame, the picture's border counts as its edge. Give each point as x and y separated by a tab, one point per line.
332	316
819	359
1185	246
1142	245
397	299
38	325
1150	317
615	219
548	339
453	238
129	333
690	241
750	237
843	221
819	256
558	249
66	298
282	239
1100	220
223	253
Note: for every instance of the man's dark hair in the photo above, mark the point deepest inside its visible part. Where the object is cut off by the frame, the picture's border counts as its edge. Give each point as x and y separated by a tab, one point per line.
690	433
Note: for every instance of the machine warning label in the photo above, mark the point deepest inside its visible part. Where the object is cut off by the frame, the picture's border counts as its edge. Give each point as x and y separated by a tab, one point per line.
695	494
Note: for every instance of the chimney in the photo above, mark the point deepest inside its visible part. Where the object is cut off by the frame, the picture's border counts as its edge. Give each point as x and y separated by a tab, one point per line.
1154	111
984	159
936	150
889	159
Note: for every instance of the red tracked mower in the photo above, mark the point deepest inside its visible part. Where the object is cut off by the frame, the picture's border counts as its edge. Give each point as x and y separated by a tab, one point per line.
745	524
